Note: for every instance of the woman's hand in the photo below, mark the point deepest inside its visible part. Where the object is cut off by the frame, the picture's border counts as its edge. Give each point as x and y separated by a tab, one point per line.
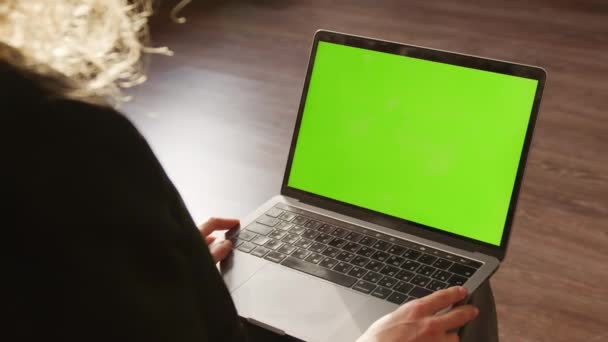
416	320
221	250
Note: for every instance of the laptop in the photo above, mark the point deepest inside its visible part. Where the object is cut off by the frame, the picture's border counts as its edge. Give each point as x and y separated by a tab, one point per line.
401	180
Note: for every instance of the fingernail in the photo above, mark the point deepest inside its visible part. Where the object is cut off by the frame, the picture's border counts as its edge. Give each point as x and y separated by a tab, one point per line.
462	291
476	312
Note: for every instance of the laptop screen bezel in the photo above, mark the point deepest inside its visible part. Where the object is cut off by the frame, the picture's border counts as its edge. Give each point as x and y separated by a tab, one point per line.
400	224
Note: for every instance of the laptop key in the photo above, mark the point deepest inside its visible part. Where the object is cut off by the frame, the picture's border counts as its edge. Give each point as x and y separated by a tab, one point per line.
300	220
424	249
328	263
315	258
395	260
397	298
324	238
374	265
419	292
462	270
246	247
387	282
475	264
287	249
287	216
366	251
303	243
331	252
260	240
301	253
332	276
360	261
389	270
380	256
442	275
396	250
297	230
290	238
337	242
285	226
357	272
367	241
277	234
339	232
351	247
267	220
427	259
260	251
381	245
326	228
363	286
436	285
345	256
421	281
354	237
312	224
450	257
342	267
372	277
246	235
457	280
275	257
412	254
410	265
273	244
259	228
442	263
405	275
426	270
403	287
381	292
274	212
310	234
317	247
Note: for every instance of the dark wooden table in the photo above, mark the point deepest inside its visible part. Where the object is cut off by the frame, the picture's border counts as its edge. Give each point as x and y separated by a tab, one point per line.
220	114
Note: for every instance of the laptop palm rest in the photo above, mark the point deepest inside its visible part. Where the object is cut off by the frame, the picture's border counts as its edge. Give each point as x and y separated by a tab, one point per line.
306	307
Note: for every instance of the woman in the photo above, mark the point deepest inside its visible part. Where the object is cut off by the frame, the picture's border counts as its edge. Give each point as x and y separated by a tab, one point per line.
101	246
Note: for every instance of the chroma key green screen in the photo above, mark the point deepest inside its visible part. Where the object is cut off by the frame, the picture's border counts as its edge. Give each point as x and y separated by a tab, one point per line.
428	142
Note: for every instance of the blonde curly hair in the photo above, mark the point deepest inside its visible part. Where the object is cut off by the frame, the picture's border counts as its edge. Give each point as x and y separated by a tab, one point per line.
94	47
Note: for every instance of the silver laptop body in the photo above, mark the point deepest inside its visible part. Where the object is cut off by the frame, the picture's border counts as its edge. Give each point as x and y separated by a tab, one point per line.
293	295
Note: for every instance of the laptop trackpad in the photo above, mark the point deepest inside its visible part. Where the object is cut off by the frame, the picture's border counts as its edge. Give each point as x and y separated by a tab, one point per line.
298	304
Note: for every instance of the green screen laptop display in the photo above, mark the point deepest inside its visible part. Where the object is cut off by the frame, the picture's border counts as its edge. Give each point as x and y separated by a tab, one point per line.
428	142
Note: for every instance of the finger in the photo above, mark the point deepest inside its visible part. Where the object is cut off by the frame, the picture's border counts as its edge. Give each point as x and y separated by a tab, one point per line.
456	318
439	300
209	239
221	250
216	223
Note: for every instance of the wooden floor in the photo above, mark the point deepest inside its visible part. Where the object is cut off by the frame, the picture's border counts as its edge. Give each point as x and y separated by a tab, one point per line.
220	114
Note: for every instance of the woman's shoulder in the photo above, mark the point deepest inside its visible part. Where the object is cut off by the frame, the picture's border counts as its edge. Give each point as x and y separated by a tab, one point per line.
27	93
32	110
63	135
88	120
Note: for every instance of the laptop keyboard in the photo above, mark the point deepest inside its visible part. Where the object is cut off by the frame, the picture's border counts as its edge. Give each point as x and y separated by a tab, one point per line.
373	263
